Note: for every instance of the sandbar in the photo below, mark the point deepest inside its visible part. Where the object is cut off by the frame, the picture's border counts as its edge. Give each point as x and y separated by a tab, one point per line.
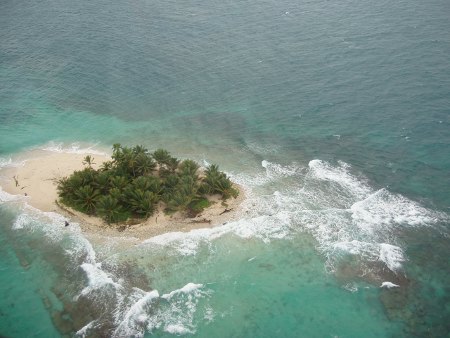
37	179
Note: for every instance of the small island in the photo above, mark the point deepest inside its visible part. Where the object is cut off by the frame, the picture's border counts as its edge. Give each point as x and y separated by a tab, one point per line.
135	182
132	194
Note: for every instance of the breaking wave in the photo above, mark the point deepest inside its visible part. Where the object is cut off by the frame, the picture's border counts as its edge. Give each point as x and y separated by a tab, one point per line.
73	148
348	218
339	208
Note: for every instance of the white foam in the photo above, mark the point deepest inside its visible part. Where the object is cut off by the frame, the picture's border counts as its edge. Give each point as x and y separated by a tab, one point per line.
365	250
5	162
265	228
177	329
352	287
389	285
392	256
80	247
383	208
21	221
7	197
84	330
50	223
175	314
137	316
363	227
73	148
97	279
274	170
9	163
368	227
179	317
188	288
206	164
209	314
340	175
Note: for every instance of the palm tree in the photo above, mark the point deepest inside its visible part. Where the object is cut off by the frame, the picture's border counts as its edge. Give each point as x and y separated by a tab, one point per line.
167	163
146	206
118	182
89	160
188	185
218	182
171	181
130	186
116	193
102	181
172	164
141	202
108	207
67	185
117	153
213	169
87	175
189	168
148	183
86	198
161	156
124	160
144	164
106	166
139	149
180	197
129	161
178	201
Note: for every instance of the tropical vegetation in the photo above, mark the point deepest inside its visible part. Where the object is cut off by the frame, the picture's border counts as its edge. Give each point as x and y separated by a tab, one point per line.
135	182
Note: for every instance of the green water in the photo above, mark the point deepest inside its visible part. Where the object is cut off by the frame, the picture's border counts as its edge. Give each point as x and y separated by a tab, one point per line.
22	288
281	289
334	117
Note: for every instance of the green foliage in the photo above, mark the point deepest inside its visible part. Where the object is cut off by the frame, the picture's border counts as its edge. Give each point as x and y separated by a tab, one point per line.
106	166
86	197
167	164
102	181
119	182
108	207
135	181
141	202
161	156
149	183
198	205
88	160
189	168
144	164
179	201
116	193
217	182
171	182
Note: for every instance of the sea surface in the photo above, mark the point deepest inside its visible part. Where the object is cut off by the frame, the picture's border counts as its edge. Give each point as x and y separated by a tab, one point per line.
333	115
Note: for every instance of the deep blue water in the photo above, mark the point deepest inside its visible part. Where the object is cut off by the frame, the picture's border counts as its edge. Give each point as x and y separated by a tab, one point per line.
335	115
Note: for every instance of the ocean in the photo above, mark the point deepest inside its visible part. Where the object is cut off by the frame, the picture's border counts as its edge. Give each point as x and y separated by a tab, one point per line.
333	116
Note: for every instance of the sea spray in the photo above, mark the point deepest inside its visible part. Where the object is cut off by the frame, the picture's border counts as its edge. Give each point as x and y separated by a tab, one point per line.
356	234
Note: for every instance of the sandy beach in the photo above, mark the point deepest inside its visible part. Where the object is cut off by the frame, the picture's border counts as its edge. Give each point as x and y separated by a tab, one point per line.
37	179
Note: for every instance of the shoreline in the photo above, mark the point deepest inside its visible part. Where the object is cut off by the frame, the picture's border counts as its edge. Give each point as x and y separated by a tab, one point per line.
37	178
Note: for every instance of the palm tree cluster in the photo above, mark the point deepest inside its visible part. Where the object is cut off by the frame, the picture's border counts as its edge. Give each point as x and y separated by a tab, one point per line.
133	183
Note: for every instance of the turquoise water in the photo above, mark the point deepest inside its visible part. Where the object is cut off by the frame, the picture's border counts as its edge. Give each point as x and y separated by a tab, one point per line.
333	115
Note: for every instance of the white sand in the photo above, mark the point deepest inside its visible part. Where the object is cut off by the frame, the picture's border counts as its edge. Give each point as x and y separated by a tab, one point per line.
38	177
